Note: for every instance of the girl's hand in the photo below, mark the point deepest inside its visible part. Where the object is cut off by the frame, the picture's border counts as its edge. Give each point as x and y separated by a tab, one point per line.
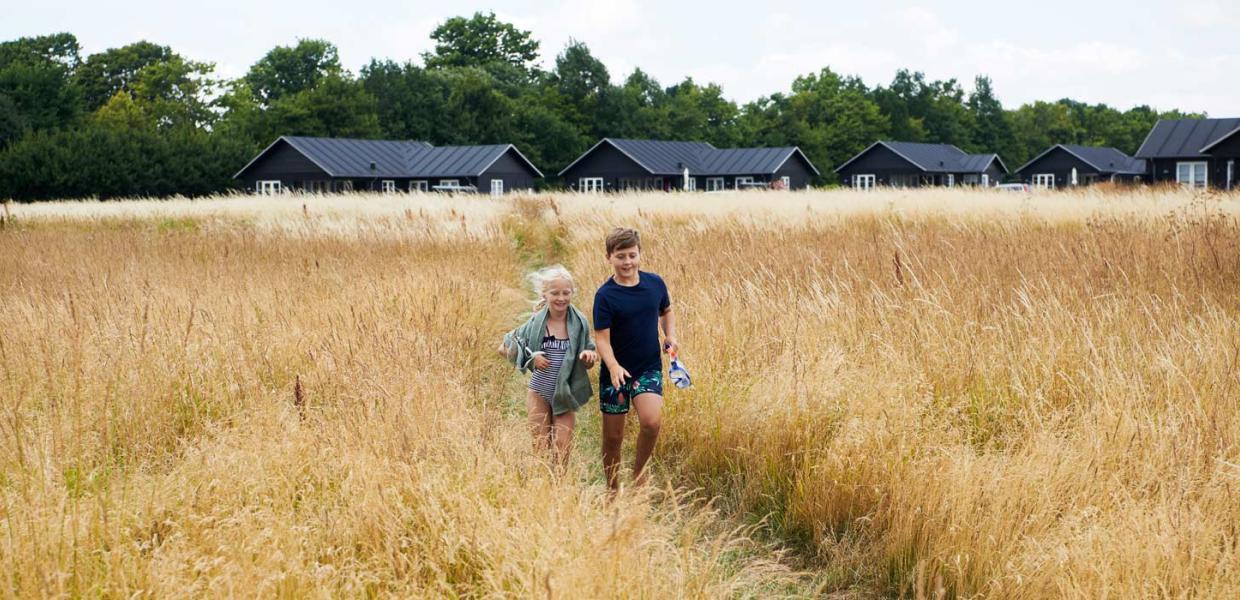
541	362
589	358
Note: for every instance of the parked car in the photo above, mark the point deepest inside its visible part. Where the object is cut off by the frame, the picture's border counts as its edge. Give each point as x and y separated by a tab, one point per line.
1014	187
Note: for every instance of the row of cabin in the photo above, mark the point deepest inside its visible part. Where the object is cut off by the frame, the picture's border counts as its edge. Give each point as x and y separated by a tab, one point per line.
312	164
1198	153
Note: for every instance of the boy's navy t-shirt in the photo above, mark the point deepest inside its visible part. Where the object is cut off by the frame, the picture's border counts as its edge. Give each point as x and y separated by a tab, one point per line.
632	315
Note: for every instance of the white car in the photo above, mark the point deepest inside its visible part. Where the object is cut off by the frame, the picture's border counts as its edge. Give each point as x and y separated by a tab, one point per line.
1014	187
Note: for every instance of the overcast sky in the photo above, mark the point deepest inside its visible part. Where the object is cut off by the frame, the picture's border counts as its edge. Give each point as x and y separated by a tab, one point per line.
1167	54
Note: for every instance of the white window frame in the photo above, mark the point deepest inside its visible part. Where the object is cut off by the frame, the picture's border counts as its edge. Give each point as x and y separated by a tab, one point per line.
497	187
419	185
746	181
865	182
1193	168
951	180
590	185
268	187
388	186
786	181
985	180
714	184
691	184
1044	181
449	183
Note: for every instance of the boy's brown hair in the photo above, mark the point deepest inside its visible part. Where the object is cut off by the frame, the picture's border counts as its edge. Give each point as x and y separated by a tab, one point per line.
621	238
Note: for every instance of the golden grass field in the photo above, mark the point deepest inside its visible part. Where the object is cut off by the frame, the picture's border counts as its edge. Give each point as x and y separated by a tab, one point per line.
900	393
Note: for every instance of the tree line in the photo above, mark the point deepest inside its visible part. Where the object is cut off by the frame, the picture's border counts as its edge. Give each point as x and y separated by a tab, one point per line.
143	120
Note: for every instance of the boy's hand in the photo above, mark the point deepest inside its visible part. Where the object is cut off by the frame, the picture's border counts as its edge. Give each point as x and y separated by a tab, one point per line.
618	376
671	345
541	362
589	358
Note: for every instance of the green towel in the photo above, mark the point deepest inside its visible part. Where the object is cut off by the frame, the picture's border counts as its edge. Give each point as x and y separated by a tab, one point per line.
572	386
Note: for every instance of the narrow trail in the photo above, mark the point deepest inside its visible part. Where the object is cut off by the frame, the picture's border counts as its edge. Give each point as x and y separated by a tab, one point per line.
540	240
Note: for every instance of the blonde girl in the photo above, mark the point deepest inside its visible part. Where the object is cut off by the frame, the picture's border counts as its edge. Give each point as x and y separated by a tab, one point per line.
554	345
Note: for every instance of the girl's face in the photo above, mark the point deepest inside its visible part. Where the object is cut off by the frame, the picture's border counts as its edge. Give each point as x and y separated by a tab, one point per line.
558	294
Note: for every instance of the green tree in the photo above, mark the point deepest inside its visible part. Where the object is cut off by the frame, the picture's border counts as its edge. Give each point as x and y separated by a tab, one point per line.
35	74
286	71
992	128
482	41
104	74
11	122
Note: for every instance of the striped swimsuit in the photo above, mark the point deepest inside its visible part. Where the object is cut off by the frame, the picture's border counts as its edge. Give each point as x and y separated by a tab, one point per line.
544	380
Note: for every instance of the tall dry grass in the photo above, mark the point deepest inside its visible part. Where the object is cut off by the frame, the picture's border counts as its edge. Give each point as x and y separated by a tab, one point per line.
921	393
205	406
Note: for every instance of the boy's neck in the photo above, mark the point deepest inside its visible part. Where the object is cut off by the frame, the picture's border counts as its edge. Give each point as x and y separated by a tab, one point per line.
629	281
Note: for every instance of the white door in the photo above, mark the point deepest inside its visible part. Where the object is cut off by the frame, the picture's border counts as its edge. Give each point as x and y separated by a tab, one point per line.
985	180
863	182
1044	180
497	187
590	184
1191	174
714	184
951	180
785	182
269	187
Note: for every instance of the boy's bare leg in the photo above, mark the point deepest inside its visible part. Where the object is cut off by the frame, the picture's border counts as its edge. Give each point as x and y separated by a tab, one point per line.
539	420
562	435
613	438
650	416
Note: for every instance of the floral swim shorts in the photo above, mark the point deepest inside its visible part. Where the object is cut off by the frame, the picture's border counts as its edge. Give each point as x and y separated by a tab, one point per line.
617	401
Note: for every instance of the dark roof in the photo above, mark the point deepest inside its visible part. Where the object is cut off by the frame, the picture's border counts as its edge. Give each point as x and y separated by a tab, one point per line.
662	158
344	157
1184	138
1105	160
935	158
460	161
671	158
744	161
1220	140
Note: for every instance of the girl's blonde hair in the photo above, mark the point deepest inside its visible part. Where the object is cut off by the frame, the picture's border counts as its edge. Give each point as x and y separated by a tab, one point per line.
540	278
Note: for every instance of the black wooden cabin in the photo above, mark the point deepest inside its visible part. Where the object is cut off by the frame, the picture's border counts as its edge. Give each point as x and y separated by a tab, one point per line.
1197	153
1068	165
914	164
614	165
324	165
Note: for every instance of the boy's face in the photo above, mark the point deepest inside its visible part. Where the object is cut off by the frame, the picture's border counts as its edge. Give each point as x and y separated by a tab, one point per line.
625	261
558	294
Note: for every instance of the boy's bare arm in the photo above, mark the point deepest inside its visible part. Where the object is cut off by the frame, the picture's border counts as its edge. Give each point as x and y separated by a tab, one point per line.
602	339
667	321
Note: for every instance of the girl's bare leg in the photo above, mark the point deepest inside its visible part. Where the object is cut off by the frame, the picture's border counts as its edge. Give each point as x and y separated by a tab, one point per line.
562	435
539	420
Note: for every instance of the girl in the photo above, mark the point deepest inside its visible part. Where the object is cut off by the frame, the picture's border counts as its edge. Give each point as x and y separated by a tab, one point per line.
555	344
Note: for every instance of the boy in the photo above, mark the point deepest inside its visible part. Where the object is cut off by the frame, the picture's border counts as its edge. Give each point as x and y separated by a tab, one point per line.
628	310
